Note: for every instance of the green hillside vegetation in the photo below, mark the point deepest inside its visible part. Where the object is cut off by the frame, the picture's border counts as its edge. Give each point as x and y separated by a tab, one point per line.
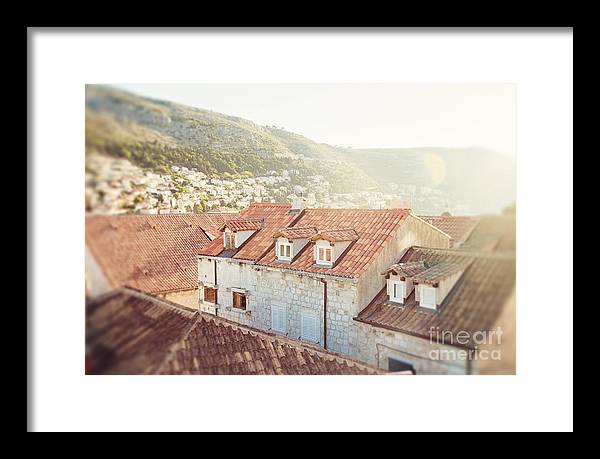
302	146
157	134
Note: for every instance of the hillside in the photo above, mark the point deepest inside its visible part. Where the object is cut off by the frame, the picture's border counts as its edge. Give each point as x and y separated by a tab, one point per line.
480	178
157	134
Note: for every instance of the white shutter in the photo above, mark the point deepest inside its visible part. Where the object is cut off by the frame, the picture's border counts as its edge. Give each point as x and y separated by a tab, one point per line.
396	291
278	318
283	320
401	293
310	327
428	297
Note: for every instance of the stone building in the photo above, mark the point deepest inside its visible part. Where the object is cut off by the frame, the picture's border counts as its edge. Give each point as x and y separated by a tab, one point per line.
485	233
305	273
457	227
152	253
441	312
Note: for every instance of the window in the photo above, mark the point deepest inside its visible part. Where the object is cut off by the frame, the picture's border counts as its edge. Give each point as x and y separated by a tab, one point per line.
278	318
309	326
229	239
210	295
285	251
239	300
396	291
399	366
324	255
428	297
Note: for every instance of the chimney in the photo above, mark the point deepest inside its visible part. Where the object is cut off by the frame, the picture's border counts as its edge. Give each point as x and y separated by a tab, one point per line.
298	205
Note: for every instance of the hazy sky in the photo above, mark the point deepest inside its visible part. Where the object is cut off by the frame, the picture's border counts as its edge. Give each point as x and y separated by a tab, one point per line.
364	115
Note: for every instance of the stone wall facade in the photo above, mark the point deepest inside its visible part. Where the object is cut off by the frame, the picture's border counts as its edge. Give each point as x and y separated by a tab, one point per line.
300	292
413	231
296	292
96	282
375	346
187	298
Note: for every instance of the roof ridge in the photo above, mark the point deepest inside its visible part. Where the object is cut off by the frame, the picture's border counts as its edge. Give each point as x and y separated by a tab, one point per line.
171	351
362	209
269	204
449	216
155	299
297	227
336	228
469	253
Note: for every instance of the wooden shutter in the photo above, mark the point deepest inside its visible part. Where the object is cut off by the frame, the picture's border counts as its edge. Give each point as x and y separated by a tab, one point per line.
239	300
230	240
210	295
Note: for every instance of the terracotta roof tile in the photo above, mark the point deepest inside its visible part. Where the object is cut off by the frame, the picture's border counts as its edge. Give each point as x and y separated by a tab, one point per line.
473	304
275	216
493	233
458	228
408	269
295	233
154	253
370	229
128	332
336	235
243	225
441	270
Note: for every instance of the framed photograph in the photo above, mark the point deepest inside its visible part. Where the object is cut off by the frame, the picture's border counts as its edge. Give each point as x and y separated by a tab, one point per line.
251	215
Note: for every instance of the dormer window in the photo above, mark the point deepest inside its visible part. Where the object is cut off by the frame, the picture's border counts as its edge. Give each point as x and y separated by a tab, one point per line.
229	239
396	290
290	241
428	295
236	232
324	256
284	250
330	244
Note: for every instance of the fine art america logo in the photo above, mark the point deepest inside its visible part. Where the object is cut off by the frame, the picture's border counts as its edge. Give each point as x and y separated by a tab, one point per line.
480	345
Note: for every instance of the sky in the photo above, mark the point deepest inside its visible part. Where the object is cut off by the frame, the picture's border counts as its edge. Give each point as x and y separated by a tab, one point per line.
364	115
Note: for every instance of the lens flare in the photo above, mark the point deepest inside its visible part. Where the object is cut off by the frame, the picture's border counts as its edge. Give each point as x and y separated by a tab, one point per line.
436	168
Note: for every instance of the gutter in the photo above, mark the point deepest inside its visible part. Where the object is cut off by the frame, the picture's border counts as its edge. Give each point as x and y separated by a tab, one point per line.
409	333
216	291
283	269
324	282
